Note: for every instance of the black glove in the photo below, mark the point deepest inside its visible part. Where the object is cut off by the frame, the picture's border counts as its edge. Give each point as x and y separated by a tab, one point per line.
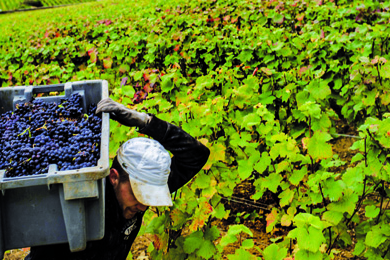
122	114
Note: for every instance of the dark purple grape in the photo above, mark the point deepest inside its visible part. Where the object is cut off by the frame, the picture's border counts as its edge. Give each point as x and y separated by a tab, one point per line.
37	134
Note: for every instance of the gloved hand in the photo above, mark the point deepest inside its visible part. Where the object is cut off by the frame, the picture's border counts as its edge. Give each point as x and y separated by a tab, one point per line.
122	114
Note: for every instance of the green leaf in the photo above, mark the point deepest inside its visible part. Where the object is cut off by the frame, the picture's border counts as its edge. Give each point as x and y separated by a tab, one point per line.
302	220
245	56
307	255
220	212
333	217
318	147
234	230
237	229
353	176
240	139
128	90
359	248
240	254
298	175
167	83
286	197
310	109
338	83
273	252
263	163
334	189
202	180
193	242
228	239
212	233
319	90
206	250
266	98
157	224
375	238
272	181
357	157
248	244
346	204
245	167
310	239
322	124
138	75
385	70
372	211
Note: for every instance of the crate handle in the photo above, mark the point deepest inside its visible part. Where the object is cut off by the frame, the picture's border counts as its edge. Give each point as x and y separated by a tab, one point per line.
48	88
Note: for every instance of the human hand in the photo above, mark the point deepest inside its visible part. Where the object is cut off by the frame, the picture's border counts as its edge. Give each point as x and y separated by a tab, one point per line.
122	114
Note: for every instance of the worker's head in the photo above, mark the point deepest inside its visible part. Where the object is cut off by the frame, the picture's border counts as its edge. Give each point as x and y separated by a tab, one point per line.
139	175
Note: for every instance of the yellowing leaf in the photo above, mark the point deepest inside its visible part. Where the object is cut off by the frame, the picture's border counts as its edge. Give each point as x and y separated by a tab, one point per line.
217	153
107	63
271	220
201	214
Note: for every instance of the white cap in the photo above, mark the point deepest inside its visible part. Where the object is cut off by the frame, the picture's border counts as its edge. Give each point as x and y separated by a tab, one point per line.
148	165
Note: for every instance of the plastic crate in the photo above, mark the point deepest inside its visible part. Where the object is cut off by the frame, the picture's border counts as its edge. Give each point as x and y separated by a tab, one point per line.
60	206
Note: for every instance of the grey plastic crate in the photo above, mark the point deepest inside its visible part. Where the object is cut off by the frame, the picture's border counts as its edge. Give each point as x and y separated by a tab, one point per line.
60	206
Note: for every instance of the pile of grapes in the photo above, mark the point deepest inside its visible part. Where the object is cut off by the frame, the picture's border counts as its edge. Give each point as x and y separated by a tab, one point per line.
37	134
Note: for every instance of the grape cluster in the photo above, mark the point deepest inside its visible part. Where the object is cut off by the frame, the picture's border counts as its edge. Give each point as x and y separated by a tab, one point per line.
38	134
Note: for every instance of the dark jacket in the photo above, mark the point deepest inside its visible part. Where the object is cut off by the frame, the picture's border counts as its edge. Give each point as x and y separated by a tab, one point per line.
189	156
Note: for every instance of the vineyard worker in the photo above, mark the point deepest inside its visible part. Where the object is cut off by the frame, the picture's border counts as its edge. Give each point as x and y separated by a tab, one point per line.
142	174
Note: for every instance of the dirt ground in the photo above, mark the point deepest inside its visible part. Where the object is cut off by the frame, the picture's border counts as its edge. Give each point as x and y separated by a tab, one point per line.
257	224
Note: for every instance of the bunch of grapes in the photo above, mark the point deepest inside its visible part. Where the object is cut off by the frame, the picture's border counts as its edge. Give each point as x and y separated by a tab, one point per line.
38	134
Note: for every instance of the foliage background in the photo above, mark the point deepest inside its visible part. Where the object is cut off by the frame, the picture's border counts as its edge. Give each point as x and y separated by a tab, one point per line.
263	84
11	5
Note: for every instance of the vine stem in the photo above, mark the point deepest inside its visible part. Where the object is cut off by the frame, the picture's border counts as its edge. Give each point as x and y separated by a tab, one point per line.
375	141
380	208
379	74
312	164
326	204
365	151
387	250
353	214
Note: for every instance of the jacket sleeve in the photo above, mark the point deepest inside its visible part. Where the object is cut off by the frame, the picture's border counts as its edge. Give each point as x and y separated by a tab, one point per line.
189	155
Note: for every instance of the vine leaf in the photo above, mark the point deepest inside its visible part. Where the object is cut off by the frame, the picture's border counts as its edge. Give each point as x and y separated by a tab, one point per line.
298	175
271	220
217	153
274	252
200	216
346	204
372	211
233	231
332	217
107	63
272	181
193	242
375	237
308	232
317	145
206	250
